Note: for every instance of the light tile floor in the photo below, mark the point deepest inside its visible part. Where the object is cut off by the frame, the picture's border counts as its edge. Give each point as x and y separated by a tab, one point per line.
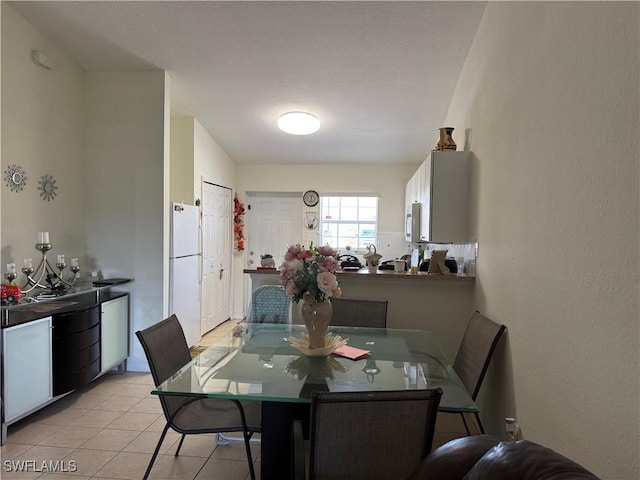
108	430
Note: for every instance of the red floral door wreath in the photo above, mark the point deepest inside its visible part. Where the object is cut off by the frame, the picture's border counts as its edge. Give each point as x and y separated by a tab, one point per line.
238	224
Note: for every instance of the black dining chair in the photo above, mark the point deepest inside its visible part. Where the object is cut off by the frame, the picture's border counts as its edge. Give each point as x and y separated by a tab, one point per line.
474	355
359	313
166	349
372	435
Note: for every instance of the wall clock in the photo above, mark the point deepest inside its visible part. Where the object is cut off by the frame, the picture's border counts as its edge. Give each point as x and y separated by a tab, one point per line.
311	198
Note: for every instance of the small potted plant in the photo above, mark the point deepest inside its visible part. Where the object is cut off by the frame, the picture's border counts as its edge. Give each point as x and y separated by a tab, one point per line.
267	261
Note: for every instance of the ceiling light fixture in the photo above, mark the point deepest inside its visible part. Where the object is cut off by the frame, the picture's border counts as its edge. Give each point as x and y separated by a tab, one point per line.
298	123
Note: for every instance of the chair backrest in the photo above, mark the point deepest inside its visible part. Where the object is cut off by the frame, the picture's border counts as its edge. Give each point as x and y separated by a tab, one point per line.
269	304
475	352
371	435
167	351
359	313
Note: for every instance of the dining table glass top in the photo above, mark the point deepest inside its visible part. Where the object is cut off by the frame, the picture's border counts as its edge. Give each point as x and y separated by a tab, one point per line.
258	362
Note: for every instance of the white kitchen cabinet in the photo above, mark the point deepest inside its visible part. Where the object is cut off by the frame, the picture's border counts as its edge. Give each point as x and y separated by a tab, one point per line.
413	198
27	365
441	187
114	332
414	187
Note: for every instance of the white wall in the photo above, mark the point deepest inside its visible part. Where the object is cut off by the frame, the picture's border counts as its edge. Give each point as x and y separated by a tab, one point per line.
104	138
211	162
549	100
42	131
128	202
388	181
181	184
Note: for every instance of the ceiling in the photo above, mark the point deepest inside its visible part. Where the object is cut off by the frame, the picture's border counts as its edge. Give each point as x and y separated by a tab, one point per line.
379	75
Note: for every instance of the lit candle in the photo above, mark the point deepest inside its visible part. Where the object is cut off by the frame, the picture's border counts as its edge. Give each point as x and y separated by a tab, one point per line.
43	237
28	263
74	262
60	258
11	267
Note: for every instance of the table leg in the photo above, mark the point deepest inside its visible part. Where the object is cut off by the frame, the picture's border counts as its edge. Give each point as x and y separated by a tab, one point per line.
275	448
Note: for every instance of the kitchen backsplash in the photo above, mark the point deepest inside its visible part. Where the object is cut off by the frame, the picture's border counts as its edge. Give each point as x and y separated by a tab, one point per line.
393	245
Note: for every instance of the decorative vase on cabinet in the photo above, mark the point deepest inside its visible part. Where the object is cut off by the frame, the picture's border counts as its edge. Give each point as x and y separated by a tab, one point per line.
446	140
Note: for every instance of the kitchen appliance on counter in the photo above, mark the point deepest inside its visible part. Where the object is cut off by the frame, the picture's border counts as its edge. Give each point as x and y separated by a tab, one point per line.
349	262
412	223
185	269
396	265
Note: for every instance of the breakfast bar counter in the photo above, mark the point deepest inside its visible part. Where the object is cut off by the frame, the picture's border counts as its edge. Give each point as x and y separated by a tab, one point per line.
415	301
364	274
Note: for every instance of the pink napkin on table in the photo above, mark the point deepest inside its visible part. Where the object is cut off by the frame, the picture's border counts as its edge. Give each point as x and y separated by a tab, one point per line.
351	352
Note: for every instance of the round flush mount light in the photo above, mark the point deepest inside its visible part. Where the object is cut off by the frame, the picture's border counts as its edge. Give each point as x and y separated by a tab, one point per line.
298	123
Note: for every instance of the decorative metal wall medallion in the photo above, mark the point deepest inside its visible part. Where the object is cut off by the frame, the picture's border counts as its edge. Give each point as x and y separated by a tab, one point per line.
15	178
47	187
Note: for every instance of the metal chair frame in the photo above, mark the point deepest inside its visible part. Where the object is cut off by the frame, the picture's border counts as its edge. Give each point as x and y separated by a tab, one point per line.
178	341
474	355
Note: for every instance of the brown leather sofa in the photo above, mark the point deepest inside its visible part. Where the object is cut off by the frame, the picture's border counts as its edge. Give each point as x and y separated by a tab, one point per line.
485	457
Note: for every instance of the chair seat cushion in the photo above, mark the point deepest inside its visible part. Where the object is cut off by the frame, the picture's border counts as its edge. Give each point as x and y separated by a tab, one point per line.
197	415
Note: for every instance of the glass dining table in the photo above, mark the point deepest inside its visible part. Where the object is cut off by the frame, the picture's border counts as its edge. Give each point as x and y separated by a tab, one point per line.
259	362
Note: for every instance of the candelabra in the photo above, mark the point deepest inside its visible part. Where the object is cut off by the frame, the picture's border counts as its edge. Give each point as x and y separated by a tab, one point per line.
35	276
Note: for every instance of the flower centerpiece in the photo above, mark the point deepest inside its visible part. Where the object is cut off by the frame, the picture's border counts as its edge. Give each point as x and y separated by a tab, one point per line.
308	274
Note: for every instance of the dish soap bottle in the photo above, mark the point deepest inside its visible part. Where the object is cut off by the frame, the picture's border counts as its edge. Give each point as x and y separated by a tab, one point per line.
415	259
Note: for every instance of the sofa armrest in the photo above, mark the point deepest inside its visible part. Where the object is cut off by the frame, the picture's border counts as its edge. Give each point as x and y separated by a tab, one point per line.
526	460
454	459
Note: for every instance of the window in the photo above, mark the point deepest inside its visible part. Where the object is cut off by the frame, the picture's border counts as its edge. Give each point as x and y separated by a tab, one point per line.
348	221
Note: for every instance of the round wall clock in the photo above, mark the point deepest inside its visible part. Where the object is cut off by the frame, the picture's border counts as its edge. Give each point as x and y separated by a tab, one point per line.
311	198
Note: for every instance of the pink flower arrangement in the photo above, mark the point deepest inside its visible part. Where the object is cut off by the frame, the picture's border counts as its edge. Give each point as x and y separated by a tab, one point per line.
308	274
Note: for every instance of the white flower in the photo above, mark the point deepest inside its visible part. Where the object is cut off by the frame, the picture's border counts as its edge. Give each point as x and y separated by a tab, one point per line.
327	283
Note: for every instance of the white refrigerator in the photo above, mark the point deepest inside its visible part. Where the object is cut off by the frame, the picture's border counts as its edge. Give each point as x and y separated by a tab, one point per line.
184	269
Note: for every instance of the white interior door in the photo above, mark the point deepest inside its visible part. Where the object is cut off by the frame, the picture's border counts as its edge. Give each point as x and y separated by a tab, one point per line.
274	221
216	251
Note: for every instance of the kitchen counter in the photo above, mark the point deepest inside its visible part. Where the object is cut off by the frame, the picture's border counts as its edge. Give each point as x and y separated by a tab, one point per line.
363	273
441	303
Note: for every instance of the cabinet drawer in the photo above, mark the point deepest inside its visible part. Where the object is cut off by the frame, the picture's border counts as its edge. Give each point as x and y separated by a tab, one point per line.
63	346
76	360
75	379
72	322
